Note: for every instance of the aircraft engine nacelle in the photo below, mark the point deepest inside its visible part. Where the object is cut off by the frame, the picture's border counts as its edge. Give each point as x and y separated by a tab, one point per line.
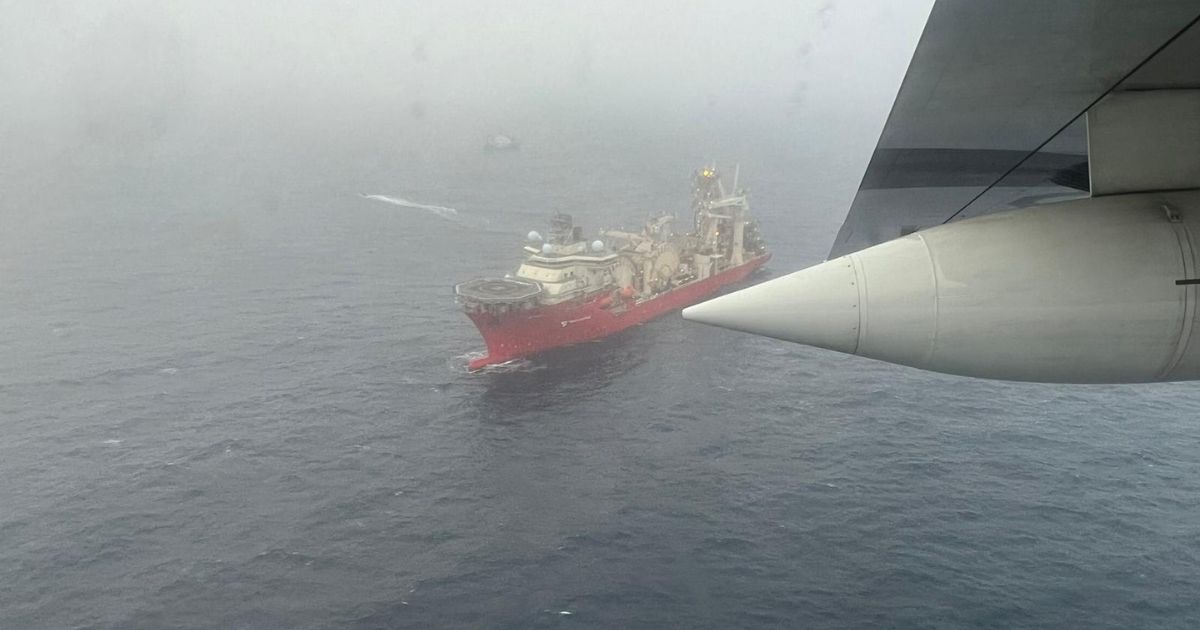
1087	291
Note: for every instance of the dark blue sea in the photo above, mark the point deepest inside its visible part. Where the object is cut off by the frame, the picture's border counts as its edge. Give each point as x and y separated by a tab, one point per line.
233	395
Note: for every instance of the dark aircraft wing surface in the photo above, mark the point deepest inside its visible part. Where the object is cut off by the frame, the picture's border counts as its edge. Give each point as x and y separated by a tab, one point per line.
990	115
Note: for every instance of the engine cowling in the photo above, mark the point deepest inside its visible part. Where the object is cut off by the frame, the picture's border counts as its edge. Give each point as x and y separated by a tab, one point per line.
1083	291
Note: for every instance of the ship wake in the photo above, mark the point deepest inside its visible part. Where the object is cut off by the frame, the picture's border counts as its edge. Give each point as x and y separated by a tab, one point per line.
449	214
462	361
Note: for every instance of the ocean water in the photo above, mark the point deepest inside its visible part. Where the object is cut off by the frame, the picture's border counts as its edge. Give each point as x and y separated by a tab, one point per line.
233	395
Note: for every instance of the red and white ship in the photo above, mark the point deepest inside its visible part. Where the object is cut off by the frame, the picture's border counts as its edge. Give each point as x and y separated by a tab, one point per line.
570	290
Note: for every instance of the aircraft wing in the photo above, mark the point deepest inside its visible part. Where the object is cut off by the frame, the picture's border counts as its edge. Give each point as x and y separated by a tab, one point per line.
1082	116
990	115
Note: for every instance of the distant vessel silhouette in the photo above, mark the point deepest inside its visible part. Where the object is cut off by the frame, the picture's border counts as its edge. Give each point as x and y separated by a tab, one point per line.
501	142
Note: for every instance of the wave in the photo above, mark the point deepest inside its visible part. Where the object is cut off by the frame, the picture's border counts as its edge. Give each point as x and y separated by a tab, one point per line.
460	362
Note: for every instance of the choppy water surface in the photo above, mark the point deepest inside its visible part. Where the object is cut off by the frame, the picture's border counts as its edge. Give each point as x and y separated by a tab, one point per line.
242	403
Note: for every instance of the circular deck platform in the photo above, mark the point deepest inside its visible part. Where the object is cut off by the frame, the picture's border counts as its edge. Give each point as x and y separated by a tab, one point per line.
493	290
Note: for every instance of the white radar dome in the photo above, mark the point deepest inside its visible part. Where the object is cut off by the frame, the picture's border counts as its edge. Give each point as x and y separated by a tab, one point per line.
533	236
546	248
597	246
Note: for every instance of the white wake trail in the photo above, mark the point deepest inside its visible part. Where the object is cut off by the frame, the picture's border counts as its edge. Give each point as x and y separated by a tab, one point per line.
441	211
449	214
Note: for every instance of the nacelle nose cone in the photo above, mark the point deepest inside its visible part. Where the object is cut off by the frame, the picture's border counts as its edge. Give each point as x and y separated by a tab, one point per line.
818	306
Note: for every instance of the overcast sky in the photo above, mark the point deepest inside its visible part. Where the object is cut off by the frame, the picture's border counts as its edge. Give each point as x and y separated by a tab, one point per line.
124	71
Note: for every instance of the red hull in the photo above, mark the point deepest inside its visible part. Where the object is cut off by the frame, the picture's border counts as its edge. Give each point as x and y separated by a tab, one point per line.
515	335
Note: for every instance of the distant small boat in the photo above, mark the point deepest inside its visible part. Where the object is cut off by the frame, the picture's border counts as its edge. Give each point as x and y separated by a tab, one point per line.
501	142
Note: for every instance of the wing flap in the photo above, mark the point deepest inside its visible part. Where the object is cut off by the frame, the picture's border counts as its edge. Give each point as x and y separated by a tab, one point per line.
1145	140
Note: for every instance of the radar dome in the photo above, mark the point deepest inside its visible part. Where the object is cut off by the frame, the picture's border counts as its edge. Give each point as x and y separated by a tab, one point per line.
547	248
533	236
597	246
